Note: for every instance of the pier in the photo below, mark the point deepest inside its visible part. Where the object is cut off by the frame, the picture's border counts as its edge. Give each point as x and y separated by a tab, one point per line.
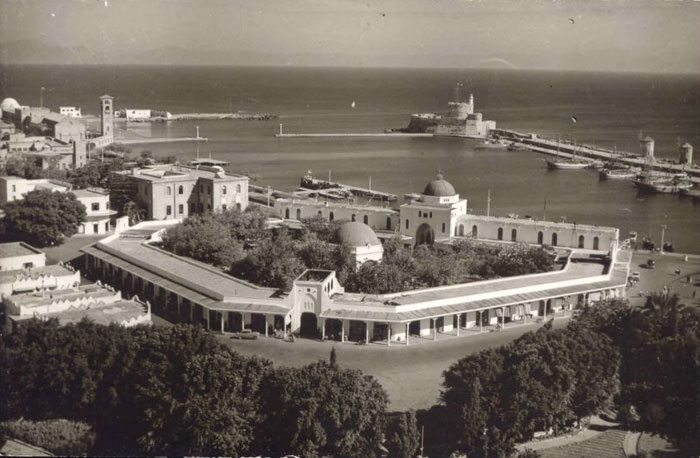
568	149
334	135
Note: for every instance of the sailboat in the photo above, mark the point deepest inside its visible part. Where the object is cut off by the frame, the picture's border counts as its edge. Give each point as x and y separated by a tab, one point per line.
352	105
567	164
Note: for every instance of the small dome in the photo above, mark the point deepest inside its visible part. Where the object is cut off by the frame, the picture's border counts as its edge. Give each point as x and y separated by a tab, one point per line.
686	145
439	188
356	234
9	104
646	139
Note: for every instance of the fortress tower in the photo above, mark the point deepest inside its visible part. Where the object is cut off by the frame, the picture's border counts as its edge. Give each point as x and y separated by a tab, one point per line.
107	116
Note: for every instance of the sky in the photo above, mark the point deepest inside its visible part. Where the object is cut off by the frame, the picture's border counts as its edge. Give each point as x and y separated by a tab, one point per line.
596	35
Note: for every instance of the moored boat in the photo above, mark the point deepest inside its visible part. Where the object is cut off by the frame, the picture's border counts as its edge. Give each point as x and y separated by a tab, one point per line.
492	144
666	185
567	164
617	174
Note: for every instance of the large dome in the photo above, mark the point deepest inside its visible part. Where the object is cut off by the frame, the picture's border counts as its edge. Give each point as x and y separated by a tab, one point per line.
439	188
356	234
9	104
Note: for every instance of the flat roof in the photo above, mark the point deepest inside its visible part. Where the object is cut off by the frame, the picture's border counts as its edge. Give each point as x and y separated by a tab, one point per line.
162	173
90	192
104	314
9	276
16	249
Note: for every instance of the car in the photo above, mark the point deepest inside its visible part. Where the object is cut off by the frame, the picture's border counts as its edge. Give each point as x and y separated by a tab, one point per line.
635	276
245	334
651	264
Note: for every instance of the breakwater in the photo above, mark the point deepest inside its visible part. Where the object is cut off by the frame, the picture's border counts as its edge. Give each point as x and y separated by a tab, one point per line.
340	134
568	149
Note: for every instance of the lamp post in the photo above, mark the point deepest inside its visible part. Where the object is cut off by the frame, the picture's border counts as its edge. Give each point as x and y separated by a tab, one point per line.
663	232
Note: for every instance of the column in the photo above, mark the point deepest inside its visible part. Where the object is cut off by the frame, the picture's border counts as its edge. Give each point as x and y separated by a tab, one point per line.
206	312
388	334
481	320
243	321
545	309
367	332
503	317
434	329
459	322
342	331
222	321
407	336
266	325
323	329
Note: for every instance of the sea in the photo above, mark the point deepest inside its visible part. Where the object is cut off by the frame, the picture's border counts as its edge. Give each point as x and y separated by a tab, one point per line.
606	109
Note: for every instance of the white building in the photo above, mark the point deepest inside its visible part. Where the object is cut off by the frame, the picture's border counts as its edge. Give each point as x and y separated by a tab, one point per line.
73	112
97	207
135	114
362	241
15	188
20	255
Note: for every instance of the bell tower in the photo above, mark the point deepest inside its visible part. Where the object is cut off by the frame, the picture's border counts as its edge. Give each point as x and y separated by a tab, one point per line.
107	115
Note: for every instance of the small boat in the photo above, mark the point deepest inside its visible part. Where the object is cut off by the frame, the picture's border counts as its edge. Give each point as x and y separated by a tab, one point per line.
616	171
491	144
515	146
572	163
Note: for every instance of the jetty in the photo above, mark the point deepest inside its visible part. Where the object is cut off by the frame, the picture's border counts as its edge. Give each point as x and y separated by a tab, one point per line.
568	149
340	134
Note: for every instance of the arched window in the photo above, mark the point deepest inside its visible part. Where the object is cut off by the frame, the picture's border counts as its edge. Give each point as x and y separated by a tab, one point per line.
286	213
223	189
554	239
514	235
500	233
443	228
180	190
365	219
238	188
331	216
298	213
475	231
540	238
406	223
168	191
388	223
353	217
581	241
596	243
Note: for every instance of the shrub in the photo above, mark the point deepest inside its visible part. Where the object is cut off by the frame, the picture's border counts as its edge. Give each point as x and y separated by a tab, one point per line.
61	437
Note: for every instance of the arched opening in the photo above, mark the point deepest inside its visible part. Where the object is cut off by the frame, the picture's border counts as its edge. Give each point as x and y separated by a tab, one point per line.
425	235
357	331
406	223
238	207
461	230
554	239
388	223
299	213
286	213
500	233
353	217
475	231
365	219
596	243
180	190
233	323
309	325
168	191
540	237
238	188
331	217
514	235
440	324
581	241
223	189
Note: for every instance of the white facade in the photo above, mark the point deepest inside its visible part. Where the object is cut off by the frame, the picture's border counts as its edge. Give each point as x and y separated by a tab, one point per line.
20	255
133	114
15	188
97	207
73	112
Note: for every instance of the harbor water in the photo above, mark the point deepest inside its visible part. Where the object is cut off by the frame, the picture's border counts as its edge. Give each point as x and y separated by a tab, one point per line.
610	111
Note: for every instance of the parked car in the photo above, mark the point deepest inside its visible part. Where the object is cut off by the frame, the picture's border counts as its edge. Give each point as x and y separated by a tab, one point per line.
245	334
635	276
651	264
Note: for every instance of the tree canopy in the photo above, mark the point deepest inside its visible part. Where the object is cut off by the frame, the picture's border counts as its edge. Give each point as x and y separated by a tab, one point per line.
43	217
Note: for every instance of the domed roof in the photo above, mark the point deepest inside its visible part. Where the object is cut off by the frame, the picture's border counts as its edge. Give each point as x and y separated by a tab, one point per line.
356	234
687	145
9	104
439	188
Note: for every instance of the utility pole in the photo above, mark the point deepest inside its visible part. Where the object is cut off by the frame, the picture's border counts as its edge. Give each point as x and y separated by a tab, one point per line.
663	232
422	434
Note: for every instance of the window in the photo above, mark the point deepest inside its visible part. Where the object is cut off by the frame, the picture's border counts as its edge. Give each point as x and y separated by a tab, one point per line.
192	208
95	228
238	188
209	189
461	230
223	190
168	191
365	219
388	223
443	228
540	238
353	217
27	265
180	190
554	239
223	206
420	214
320	213
107	205
514	235
168	210
407	223
106	227
298	213
286	213
431	214
238	207
181	209
581	241
95	206
475	231
596	243
331	216
500	233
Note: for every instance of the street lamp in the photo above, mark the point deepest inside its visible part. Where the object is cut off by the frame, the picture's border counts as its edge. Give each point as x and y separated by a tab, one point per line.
663	232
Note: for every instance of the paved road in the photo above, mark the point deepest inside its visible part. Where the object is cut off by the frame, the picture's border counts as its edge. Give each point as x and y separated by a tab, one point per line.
411	375
664	274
